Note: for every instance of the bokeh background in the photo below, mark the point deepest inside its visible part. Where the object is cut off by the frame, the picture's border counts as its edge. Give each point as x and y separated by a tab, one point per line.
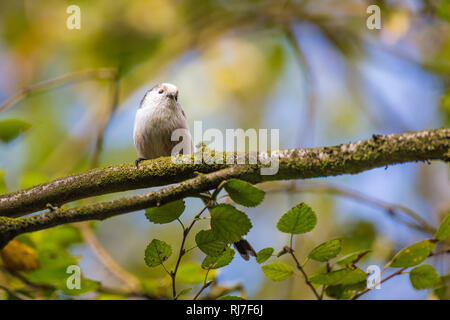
309	68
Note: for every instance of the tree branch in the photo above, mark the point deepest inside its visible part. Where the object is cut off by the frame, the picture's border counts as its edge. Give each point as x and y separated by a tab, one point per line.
391	209
350	158
11	227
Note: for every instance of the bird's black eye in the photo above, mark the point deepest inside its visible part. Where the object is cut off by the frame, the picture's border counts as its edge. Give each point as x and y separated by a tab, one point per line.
176	96
161	91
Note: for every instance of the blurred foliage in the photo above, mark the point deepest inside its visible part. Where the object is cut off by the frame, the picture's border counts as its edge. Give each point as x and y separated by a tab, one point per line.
234	53
11	129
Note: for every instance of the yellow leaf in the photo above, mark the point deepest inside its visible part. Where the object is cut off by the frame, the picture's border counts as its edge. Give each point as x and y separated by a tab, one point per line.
18	256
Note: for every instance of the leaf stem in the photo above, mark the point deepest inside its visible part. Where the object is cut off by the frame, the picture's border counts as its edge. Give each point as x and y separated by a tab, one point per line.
299	267
183	251
205	285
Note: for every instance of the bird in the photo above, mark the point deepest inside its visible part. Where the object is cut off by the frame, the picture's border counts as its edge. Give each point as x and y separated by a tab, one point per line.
158	116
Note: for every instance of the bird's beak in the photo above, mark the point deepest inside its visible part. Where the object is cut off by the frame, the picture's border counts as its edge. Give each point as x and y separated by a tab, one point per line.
173	96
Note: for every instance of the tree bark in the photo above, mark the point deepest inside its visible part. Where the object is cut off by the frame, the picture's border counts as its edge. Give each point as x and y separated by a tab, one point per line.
351	158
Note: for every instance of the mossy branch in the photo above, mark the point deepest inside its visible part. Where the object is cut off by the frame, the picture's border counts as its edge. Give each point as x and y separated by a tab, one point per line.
350	158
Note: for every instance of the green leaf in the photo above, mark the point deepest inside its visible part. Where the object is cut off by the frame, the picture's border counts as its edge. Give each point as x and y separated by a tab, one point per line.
53	262
86	286
444	229
157	252
208	242
352	258
57	238
264	254
244	193
442	289
228	223
230	298
342	276
277	271
299	219
413	255
219	261
12	128
344	292
192	273
424	277
326	250
165	213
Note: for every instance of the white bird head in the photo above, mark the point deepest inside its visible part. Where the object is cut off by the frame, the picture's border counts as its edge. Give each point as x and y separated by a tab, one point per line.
161	95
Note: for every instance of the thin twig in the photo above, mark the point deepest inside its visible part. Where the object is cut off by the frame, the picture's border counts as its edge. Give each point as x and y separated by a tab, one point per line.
101	131
299	267
206	284
15	294
173	274
398	272
105	258
389	208
100	74
308	127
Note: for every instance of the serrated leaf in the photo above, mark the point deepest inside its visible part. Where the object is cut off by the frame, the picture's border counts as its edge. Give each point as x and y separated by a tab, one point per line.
423	277
192	273
244	193
230	298
228	223
277	271
352	258
337	277
219	261
12	128
157	252
165	213
444	229
413	255
208	242
264	254
299	219
326	250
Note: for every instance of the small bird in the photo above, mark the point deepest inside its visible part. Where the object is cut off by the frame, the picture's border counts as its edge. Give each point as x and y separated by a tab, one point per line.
157	117
159	114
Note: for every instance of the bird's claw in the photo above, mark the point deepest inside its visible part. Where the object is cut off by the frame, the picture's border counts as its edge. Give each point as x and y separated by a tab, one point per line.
138	160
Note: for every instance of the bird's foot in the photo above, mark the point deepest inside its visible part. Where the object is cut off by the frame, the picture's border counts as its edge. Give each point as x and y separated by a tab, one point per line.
138	160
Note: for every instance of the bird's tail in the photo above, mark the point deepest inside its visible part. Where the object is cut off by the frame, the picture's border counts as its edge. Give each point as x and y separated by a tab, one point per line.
244	248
